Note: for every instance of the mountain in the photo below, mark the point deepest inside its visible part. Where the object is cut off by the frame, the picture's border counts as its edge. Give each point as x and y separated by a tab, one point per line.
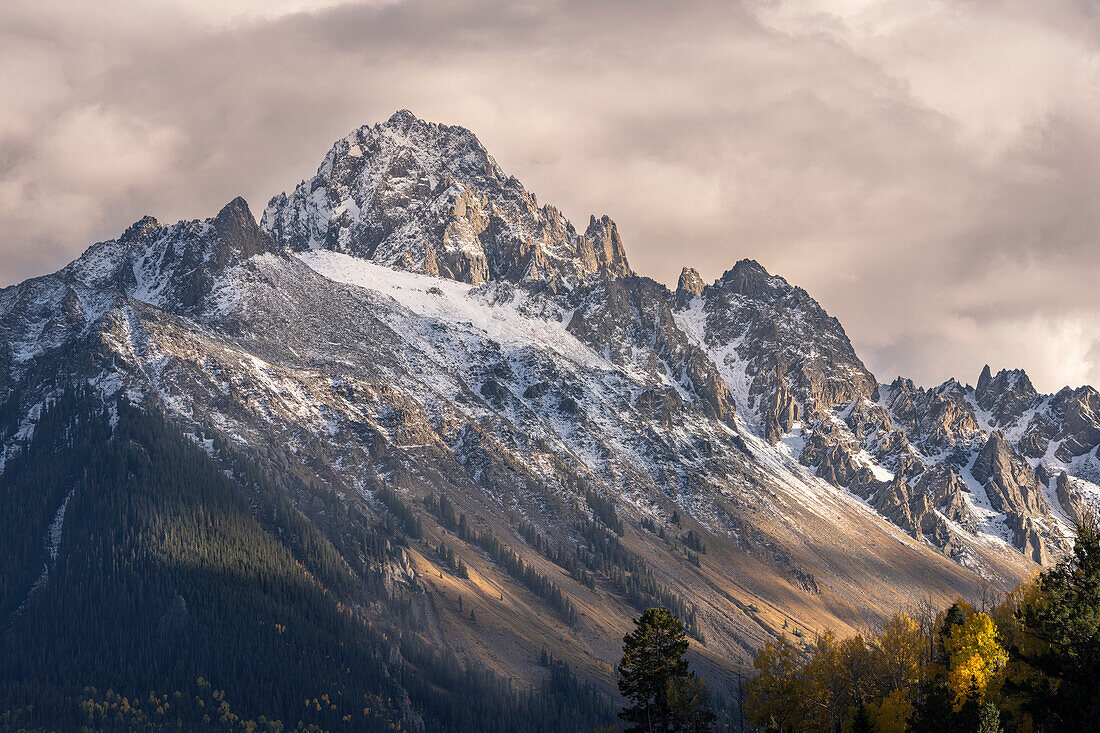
418	430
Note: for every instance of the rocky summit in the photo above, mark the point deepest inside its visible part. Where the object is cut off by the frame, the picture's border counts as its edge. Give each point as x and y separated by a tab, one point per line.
478	431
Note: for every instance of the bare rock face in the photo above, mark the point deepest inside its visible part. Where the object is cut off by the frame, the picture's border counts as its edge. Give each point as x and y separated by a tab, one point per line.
938	419
895	501
871	425
1070	501
630	319
780	409
767	329
430	265
831	455
934	437
946	491
923	501
1005	396
660	405
1079	413
173	266
689	286
238	236
1068	422
602	237
690	283
1009	480
424	196
866	417
1028	538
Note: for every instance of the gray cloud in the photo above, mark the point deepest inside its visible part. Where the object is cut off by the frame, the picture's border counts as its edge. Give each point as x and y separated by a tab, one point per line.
925	170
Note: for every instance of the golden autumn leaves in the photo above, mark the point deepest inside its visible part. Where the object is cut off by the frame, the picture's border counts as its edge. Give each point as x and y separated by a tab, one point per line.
975	656
878	676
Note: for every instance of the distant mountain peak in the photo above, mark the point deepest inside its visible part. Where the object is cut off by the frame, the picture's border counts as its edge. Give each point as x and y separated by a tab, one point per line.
689	285
140	229
402	117
746	277
428	197
1005	395
238	232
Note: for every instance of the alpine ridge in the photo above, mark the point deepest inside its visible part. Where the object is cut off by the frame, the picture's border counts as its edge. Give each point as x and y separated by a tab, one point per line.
436	395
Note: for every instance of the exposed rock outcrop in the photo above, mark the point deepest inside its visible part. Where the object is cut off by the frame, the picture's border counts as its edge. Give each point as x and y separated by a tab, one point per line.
689	286
429	197
779	408
631	318
1008	479
1005	396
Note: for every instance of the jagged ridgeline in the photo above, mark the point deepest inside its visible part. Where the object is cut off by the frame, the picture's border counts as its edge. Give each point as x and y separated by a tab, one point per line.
413	433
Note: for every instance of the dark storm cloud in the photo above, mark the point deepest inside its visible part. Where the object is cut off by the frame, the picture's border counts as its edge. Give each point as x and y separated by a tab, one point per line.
926	170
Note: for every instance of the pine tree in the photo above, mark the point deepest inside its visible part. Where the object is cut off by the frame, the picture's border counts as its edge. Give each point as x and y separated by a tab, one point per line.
1065	619
955	616
861	721
653	664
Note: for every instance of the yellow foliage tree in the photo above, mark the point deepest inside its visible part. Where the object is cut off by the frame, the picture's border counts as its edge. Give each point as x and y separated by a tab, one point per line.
899	647
779	691
826	683
891	714
856	665
975	656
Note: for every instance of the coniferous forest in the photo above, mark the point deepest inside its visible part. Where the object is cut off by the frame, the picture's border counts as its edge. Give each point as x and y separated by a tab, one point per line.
194	602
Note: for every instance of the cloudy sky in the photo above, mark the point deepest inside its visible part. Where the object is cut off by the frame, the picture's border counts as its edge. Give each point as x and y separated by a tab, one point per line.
926	170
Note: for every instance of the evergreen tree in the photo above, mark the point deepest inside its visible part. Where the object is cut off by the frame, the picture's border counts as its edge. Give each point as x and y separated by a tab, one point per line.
955	616
652	667
1066	619
935	713
689	705
861	721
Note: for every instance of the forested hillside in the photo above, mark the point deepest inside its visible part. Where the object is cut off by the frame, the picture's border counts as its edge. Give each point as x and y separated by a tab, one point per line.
193	591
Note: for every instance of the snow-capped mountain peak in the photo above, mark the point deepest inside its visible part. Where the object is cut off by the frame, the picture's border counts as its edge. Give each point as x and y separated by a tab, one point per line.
429	198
